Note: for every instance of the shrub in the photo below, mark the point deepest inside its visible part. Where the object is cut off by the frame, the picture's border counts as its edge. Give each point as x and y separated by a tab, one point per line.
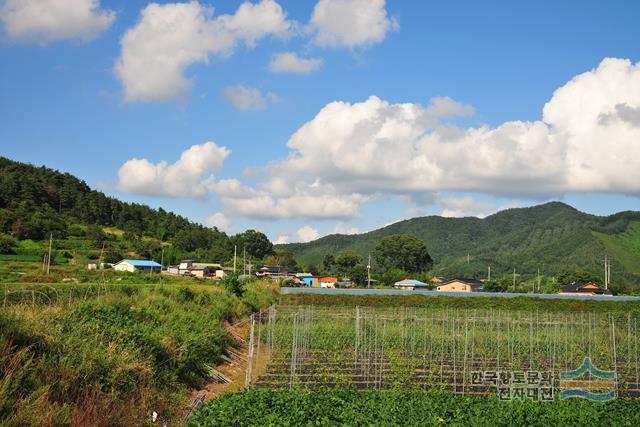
7	244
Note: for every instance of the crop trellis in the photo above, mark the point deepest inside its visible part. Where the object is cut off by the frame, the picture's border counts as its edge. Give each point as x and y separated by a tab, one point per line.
433	348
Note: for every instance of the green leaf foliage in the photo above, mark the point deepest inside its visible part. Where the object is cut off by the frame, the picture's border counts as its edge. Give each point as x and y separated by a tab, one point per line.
353	408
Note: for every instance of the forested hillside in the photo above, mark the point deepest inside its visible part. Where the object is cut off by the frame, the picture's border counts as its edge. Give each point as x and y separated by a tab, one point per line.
553	237
37	201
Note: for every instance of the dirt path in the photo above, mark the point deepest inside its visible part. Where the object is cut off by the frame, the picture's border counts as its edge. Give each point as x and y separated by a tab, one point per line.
230	375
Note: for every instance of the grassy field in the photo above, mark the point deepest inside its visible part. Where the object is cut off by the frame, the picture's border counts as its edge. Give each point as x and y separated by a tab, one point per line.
625	247
344	407
111	353
467	303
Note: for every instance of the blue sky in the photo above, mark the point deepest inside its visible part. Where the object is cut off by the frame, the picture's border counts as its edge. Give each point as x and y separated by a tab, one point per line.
446	77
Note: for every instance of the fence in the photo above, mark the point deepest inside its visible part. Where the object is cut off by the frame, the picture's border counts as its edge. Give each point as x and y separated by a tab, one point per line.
462	351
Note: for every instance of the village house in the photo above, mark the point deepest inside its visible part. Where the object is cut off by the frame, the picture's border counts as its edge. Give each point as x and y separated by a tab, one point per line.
274	271
410	285
460	285
320	281
200	269
584	288
132	265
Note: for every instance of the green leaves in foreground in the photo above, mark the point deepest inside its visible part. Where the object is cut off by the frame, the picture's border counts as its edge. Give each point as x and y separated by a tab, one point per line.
300	408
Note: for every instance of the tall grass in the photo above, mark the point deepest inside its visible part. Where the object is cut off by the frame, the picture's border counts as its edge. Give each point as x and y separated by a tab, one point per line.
111	355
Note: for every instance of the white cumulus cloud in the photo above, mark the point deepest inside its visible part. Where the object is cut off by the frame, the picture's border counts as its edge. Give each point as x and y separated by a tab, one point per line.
244	98
46	21
189	176
350	23
350	153
170	37
219	220
290	62
307	234
282	239
457	207
342	228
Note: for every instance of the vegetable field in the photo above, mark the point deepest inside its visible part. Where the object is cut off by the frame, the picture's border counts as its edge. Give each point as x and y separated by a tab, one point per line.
260	407
441	349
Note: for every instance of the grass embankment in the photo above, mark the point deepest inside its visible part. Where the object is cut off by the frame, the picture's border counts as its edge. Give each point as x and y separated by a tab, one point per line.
86	354
479	302
300	408
30	272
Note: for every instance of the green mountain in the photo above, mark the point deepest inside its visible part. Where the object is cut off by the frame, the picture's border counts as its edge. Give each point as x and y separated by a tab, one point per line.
552	237
37	201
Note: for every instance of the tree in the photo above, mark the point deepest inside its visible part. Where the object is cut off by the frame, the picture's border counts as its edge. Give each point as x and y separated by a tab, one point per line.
404	252
7	244
500	285
568	277
358	274
393	275
281	257
256	244
347	260
328	262
231	282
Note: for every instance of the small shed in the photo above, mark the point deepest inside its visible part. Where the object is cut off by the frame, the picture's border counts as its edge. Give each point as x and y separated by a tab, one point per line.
320	281
132	265
410	284
461	285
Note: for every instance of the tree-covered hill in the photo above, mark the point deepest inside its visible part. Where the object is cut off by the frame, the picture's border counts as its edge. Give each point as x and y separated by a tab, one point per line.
37	201
552	237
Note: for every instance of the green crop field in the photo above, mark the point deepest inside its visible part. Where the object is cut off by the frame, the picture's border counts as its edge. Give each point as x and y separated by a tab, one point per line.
440	349
385	360
369	408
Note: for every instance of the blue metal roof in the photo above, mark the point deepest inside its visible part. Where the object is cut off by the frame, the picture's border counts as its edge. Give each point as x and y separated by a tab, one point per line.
411	282
142	263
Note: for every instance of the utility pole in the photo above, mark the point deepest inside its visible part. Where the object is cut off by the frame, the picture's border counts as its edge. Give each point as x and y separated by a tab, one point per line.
468	259
538	280
369	272
162	259
235	254
244	260
489	274
514	280
606	273
49	257
101	254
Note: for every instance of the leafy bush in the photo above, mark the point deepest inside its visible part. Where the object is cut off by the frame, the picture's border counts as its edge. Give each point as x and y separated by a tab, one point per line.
7	244
88	354
344	407
231	283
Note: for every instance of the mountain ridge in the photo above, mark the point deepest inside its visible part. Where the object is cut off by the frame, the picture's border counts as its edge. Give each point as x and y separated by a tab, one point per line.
552	236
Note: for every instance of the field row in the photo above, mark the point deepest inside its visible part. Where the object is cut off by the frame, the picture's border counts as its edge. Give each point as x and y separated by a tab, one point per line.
435	349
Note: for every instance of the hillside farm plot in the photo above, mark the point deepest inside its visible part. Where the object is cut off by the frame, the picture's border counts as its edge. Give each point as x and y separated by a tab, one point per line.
442	349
